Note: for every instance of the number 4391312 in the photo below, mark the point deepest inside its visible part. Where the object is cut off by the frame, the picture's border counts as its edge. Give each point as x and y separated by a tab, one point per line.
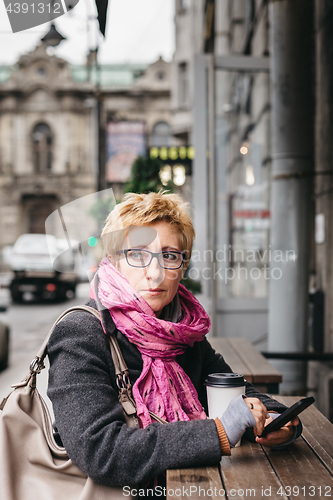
34	8
305	491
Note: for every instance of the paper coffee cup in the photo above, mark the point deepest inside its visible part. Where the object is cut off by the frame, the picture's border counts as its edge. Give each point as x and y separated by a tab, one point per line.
221	389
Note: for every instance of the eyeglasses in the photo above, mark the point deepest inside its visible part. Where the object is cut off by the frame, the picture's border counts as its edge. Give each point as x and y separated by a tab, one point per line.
136	257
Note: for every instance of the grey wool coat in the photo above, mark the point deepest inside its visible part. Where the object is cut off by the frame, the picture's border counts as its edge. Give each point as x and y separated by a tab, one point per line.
89	418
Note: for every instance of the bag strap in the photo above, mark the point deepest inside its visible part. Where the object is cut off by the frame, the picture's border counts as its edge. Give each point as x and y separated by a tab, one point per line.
37	364
42	351
121	370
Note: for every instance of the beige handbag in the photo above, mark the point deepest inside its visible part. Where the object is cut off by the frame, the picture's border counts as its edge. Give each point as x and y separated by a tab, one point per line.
32	465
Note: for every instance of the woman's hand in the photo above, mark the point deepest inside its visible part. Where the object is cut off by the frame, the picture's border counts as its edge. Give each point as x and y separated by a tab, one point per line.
281	436
260	413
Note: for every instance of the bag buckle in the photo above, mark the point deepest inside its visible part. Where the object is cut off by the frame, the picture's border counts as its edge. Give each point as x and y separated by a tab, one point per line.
122	380
36	365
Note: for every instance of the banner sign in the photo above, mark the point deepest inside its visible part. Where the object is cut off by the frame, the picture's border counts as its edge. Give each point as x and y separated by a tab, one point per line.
125	141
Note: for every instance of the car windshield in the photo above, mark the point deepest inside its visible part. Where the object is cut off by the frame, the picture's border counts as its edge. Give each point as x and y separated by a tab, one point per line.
34	244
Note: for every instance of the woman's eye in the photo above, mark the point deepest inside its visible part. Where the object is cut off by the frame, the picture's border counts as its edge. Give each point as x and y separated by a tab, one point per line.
136	255
170	256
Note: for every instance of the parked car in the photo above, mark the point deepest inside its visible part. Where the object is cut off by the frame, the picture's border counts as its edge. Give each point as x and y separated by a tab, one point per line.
4	340
43	267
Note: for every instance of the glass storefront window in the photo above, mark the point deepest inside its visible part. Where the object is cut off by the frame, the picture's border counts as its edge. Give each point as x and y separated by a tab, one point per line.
242	169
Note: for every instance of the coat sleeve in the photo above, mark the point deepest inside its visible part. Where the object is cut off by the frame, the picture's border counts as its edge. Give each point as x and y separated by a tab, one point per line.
89	417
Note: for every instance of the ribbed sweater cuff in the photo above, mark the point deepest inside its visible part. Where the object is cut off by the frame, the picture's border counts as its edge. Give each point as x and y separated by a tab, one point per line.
224	442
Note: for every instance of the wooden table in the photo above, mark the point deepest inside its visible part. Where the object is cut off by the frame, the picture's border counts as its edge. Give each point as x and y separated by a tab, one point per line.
244	358
304	470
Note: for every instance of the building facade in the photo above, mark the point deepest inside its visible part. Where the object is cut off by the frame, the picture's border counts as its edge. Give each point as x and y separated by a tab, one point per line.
48	142
55	123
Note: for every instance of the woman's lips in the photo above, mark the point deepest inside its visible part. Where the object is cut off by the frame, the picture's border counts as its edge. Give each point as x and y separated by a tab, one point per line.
154	291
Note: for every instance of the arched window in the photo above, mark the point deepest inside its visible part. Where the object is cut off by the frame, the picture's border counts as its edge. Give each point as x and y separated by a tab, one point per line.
42	147
161	135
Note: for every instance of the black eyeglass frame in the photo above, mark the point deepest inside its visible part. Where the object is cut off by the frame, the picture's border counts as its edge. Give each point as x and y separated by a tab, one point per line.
152	255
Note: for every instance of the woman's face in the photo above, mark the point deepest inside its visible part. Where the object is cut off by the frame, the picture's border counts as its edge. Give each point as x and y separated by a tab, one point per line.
156	285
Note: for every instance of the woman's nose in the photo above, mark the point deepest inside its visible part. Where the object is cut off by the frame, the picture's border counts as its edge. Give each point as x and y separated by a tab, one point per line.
154	270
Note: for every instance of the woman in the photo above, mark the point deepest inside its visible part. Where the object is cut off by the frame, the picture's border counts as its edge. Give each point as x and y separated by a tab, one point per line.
160	328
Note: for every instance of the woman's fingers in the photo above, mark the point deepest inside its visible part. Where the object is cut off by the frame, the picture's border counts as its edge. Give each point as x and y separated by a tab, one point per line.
259	412
281	436
260	422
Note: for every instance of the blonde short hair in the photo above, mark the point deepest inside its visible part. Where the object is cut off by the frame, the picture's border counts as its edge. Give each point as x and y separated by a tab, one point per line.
144	209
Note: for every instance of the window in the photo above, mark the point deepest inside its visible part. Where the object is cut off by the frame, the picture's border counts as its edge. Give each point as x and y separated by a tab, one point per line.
161	135
243	173
183	84
42	147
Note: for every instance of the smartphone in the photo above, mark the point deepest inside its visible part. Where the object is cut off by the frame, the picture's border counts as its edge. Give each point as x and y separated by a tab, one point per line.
288	415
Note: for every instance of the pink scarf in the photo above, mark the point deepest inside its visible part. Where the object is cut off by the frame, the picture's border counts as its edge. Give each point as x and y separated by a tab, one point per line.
163	387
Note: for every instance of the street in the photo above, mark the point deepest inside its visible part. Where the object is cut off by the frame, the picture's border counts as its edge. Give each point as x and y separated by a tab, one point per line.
30	323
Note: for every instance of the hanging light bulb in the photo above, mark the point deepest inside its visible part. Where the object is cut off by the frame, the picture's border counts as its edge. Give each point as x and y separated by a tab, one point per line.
244	148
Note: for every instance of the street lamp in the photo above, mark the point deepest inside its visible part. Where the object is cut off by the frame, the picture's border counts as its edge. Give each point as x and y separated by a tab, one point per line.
53	37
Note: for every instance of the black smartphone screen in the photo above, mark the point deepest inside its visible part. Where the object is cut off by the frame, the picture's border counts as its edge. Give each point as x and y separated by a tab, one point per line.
287	415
